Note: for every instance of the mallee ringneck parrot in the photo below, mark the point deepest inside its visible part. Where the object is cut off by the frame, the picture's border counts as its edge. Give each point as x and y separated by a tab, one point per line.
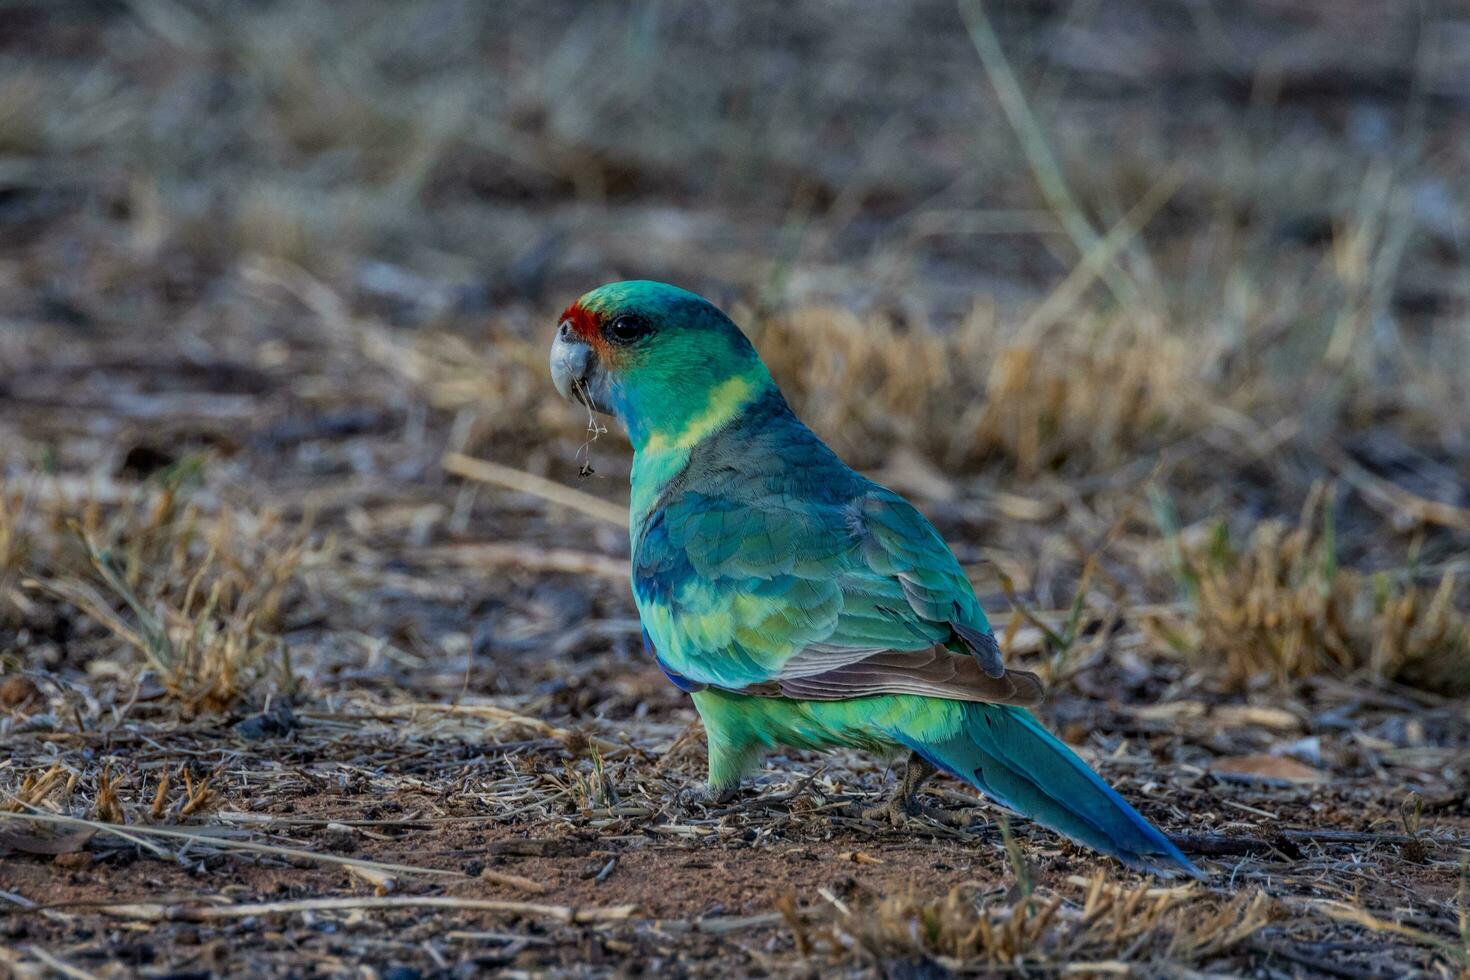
798	602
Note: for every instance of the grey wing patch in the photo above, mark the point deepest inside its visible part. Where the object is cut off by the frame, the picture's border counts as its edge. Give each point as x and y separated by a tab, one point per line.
818	658
935	672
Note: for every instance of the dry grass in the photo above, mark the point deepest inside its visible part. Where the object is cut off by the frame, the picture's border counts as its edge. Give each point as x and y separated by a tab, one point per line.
196	593
1088	396
1082	929
116	798
1282	606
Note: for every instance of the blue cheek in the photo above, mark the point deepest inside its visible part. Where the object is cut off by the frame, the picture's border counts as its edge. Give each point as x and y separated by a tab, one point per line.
621	405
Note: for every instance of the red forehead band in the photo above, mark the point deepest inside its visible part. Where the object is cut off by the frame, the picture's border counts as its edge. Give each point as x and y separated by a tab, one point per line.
584	323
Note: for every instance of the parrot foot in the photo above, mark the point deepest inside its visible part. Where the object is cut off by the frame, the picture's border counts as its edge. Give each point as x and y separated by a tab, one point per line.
897	812
961	819
893	811
703	796
903	805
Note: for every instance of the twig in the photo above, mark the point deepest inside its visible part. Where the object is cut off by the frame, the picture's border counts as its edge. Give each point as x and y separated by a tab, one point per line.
502	715
37	815
538	486
1393	500
514	881
270	820
1343	912
1222	845
525	556
1225	844
1315	960
1356	837
26	905
204	913
59	965
481	936
130	833
720	925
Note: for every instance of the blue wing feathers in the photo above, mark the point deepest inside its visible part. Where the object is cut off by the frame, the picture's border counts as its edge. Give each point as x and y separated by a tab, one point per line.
763	509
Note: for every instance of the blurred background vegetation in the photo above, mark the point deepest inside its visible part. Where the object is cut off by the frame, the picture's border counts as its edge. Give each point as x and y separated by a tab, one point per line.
1159	308
1050	252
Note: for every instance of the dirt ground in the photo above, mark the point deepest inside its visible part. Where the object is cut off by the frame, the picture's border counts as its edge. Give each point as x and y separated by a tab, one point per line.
317	653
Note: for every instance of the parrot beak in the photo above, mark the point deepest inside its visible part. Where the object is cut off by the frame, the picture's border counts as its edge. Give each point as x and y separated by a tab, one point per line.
575	369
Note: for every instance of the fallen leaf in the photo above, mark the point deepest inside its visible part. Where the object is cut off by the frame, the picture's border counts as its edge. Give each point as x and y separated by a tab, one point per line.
1271	769
16	692
859	857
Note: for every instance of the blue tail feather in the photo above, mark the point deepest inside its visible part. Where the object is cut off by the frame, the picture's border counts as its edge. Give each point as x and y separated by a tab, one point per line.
1005	753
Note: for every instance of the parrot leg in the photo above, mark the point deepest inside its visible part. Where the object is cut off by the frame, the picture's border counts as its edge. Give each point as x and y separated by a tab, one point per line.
732	752
902	803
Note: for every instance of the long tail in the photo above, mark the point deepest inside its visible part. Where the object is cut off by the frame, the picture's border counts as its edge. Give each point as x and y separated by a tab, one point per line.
1005	753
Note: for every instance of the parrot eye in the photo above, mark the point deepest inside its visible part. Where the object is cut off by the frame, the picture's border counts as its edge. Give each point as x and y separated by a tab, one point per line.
626	329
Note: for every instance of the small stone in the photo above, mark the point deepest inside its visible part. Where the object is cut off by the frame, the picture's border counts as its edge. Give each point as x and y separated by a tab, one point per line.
74	861
275	723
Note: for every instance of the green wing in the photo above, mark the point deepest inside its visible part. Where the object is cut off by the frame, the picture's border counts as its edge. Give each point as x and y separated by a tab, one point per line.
813	580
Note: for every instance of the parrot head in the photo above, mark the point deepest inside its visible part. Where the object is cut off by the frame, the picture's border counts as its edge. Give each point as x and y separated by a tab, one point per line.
665	362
